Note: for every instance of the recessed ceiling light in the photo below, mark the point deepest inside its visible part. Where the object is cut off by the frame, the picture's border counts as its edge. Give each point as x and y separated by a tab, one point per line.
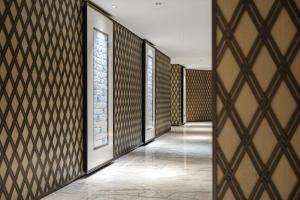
114	6
158	3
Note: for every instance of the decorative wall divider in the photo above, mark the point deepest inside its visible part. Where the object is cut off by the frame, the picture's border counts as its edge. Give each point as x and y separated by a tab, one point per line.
128	91
176	95
257	99
163	93
199	95
41	99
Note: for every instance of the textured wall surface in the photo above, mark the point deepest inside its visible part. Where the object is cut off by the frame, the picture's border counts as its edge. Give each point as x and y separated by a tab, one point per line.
176	95
198	95
163	94
40	96
128	55
258	99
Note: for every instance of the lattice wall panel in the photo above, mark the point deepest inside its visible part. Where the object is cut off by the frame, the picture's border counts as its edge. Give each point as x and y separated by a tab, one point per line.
198	95
128	49
163	93
176	95
40	96
258	99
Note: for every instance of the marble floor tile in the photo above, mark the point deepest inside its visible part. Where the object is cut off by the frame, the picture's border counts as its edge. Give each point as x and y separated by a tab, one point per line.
176	166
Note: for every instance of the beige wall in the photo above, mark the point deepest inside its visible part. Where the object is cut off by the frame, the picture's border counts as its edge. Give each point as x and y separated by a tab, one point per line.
257	75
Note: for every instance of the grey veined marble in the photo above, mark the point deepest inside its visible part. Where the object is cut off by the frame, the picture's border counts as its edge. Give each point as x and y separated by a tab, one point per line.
176	166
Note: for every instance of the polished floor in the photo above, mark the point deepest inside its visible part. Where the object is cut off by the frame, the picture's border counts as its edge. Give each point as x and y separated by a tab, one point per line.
176	166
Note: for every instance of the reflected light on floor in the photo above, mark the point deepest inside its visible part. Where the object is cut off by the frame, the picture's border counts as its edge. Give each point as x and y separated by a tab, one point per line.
153	173
198	124
198	137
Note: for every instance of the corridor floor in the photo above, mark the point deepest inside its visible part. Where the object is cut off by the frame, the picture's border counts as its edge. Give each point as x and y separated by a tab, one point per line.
176	166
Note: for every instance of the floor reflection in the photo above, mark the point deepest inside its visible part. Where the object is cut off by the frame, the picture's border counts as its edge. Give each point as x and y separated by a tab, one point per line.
176	166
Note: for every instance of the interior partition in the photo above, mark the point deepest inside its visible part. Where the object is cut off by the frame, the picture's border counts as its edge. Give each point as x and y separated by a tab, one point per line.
41	98
176	95
257	93
163	93
199	95
128	90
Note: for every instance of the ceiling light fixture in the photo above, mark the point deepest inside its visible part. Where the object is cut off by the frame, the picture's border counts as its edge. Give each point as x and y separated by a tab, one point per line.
114	6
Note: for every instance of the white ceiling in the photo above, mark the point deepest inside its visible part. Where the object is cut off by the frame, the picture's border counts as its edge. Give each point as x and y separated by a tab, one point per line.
182	29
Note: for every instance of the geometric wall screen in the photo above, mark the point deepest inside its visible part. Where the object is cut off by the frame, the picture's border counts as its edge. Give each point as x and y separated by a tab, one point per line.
176	95
163	93
198	101
257	77
128	63
41	96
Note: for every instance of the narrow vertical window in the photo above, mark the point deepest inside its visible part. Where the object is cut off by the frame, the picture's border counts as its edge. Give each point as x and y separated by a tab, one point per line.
100	89
149	93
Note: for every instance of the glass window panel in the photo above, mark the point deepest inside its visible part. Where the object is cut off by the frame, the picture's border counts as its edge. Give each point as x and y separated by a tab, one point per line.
100	89
149	93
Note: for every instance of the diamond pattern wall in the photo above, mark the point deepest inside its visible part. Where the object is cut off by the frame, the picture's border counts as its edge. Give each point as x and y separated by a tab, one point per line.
198	95
40	96
163	93
176	95
257	122
128	55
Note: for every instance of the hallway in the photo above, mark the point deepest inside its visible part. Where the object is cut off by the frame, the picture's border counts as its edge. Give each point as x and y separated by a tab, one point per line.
176	166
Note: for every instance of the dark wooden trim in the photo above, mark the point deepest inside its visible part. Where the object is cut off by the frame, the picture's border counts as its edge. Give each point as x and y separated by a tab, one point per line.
84	70
214	97
114	64
102	11
182	96
85	89
98	8
143	92
99	167
128	151
146	42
